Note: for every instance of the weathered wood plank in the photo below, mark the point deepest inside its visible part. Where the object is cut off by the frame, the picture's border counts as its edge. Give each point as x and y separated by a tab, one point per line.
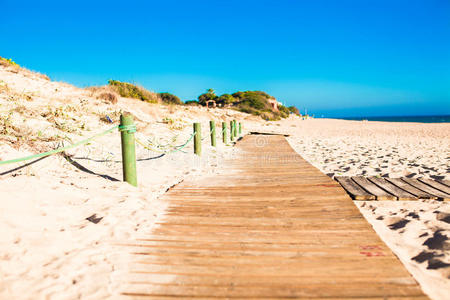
426	188
373	189
153	297
356	192
410	189
444	182
392	189
269	133
219	279
437	185
270	226
373	266
343	291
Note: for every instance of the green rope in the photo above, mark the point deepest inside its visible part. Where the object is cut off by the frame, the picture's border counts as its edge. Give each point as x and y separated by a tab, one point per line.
223	131
179	148
158	145
147	147
184	145
59	149
128	128
210	132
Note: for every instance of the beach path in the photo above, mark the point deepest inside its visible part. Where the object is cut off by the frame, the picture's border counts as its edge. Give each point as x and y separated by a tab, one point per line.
270	225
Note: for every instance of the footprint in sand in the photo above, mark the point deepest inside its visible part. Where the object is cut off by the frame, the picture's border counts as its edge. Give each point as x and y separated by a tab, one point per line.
443	217
437	242
398	224
413	215
434	264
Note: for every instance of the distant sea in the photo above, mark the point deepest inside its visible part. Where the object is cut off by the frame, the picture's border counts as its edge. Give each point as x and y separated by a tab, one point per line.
415	119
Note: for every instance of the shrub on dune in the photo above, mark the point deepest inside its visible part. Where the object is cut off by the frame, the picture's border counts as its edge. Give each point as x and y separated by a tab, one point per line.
209	95
226	99
108	96
284	111
7	62
294	110
192	103
129	90
168	98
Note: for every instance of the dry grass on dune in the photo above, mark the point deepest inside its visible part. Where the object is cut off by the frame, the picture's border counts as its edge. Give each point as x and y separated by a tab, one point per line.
129	90
13	67
104	93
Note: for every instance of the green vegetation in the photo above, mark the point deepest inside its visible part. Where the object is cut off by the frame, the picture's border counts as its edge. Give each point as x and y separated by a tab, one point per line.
257	103
128	90
225	99
294	110
209	95
169	98
254	99
284	111
7	62
192	102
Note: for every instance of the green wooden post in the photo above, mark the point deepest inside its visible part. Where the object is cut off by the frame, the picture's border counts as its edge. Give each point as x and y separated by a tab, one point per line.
240	128
224	132
212	128
231	131
235	128
127	130
198	139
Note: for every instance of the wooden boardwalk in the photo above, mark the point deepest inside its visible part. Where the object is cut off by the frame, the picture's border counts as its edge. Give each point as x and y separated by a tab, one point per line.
270	226
377	188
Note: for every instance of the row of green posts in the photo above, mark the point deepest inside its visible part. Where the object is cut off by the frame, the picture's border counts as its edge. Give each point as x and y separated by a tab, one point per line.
127	130
235	131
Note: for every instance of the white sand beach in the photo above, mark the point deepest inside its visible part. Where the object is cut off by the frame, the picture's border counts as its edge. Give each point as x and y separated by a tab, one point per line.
49	248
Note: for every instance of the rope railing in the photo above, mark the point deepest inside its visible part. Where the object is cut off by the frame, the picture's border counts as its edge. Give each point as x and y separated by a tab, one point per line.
175	149
85	141
209	134
127	131
162	146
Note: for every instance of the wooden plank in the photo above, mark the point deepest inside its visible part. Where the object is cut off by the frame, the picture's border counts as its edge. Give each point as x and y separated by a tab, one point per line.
137	296
374	267
437	185
444	182
355	191
410	189
392	189
343	291
426	188
268	133
287	249
251	260
270	226
373	189
219	279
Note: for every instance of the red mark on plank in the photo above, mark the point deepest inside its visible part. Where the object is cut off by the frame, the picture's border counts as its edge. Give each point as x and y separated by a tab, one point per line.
372	253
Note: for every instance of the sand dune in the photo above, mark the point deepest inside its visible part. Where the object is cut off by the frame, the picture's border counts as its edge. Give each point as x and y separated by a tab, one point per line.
60	220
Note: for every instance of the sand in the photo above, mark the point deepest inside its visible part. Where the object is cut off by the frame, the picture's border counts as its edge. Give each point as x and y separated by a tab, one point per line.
418	232
59	224
49	248
350	148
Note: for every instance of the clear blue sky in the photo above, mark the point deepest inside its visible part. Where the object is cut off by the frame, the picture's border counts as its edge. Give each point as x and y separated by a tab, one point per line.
337	58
